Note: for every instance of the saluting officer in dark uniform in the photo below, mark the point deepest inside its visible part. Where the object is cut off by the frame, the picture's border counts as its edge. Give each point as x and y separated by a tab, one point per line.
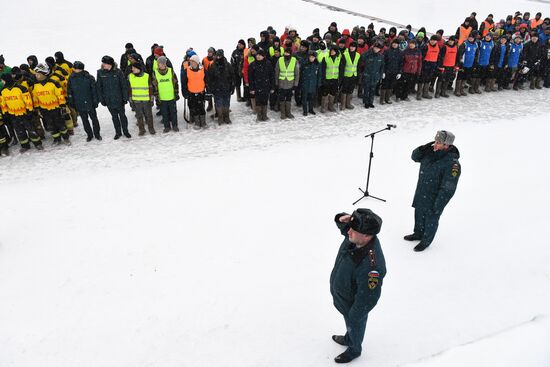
356	279
439	174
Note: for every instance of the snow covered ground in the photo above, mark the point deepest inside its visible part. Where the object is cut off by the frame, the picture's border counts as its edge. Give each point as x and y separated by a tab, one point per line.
214	248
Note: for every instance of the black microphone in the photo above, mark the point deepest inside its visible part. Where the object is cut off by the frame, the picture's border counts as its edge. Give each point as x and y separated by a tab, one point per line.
394	126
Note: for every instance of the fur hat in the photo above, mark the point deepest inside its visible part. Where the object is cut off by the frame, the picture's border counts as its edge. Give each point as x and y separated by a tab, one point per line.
365	221
444	137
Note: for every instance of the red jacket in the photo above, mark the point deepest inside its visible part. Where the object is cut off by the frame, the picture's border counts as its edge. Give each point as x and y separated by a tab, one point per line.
412	61
363	49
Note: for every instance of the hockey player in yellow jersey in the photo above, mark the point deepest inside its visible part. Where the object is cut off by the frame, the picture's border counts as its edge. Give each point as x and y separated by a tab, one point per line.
48	96
17	103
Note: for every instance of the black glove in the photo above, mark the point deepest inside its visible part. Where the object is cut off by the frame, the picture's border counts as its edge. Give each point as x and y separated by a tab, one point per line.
427	147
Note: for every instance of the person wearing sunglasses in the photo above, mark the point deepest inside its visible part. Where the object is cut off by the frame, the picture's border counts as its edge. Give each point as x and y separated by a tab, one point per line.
356	279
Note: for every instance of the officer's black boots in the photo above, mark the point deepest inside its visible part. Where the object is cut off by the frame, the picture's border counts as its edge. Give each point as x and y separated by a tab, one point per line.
412	237
340	339
344	357
421	246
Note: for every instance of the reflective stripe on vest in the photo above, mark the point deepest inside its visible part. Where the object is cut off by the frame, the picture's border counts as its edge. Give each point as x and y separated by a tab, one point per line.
432	54
463	34
351	67
165	85
287	72
195	81
272	51
140	87
450	56
333	67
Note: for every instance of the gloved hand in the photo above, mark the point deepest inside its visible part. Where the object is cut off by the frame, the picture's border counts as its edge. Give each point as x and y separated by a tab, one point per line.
442	70
491	67
177	97
398	76
427	147
525	70
383	75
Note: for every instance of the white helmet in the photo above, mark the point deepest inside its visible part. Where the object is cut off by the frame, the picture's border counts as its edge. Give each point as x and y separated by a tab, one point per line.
42	69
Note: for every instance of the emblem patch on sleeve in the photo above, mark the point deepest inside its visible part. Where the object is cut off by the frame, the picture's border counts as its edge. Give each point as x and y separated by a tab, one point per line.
455	170
373	279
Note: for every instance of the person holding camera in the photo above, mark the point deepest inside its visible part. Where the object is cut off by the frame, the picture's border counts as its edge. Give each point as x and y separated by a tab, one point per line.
357	276
437	181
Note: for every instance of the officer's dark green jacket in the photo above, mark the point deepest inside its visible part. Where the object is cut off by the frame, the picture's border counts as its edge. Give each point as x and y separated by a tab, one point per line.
357	276
438	177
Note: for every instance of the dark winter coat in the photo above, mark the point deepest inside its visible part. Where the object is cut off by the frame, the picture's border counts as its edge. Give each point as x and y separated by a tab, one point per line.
237	58
112	87
438	177
221	80
393	61
373	63
311	76
82	92
412	61
532	53
357	277
261	77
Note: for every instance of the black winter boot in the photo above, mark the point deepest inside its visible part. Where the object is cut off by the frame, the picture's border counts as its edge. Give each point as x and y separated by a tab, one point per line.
412	237
340	339
421	246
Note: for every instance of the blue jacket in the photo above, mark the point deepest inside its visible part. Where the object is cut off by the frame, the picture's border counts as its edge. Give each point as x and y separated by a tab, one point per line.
311	76
357	277
501	55
468	54
438	177
514	55
485	51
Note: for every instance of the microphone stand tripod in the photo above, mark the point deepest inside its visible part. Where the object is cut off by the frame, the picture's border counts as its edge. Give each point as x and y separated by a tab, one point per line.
371	155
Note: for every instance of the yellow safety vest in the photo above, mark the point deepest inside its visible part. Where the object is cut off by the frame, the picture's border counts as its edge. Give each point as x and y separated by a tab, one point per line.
287	73
351	67
165	85
333	67
140	87
272	51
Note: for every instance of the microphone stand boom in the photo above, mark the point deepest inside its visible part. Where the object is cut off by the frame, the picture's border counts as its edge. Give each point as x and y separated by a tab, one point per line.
371	155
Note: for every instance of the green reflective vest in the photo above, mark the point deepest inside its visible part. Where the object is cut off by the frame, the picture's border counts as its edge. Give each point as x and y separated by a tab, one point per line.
321	54
139	86
333	67
165	85
287	72
272	51
351	67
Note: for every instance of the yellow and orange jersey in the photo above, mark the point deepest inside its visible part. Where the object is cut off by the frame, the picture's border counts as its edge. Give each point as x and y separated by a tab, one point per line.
62	80
48	95
16	100
65	67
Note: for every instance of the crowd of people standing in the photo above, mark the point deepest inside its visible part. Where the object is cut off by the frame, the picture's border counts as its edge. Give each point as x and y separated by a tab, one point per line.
322	71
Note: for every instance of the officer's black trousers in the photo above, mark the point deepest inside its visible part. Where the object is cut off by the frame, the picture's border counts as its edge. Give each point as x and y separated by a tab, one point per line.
355	332
425	224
